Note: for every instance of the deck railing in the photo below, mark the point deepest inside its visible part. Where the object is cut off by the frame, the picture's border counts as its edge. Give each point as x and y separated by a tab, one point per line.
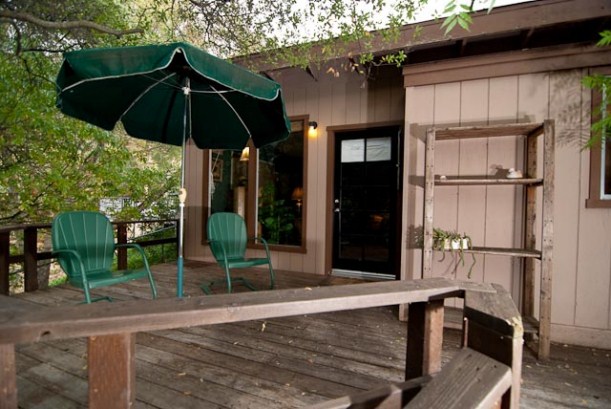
486	373
32	255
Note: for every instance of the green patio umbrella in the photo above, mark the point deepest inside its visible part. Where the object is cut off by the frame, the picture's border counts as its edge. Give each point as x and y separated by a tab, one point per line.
170	93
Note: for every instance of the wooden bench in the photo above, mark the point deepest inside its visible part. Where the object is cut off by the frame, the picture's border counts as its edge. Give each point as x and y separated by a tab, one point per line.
493	328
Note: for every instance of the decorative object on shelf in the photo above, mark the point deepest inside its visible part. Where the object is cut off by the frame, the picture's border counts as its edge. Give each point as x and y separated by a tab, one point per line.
456	243
514	174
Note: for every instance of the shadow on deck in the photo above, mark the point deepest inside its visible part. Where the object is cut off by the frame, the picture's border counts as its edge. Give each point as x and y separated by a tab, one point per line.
278	363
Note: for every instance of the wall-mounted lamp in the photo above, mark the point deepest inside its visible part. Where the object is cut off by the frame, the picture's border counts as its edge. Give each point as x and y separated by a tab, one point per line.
245	154
312	130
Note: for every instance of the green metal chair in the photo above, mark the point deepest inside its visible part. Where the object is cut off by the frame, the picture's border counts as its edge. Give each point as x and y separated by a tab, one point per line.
227	238
84	245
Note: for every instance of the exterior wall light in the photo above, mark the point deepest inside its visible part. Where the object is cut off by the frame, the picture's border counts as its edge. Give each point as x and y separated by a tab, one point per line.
312	130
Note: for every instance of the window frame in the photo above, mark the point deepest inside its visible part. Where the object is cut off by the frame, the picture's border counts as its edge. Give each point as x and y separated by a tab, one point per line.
597	162
252	196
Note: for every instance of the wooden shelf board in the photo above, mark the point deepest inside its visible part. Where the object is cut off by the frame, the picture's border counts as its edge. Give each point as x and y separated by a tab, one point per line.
457	181
488	131
505	251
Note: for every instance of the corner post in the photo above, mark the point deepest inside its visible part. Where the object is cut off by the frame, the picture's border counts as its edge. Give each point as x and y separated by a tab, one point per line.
112	371
424	338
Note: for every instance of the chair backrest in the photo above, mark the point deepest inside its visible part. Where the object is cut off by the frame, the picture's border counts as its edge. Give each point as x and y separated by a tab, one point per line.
228	230
90	234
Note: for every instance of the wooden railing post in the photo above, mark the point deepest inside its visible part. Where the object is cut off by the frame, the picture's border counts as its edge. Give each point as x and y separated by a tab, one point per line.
30	258
122	252
4	262
8	377
495	329
112	371
424	338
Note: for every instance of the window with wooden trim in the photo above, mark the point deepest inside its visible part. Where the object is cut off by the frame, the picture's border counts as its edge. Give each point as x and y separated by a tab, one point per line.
265	186
600	153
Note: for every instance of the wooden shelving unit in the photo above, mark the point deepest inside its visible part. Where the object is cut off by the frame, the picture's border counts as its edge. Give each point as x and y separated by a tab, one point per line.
533	257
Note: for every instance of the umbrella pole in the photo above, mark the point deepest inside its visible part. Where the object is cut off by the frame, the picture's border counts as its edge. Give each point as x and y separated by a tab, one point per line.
182	197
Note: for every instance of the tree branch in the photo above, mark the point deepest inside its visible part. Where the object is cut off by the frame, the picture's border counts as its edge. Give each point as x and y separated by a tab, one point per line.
65	25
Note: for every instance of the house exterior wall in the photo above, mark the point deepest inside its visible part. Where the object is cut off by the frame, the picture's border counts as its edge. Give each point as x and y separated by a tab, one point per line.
581	297
491	214
336	97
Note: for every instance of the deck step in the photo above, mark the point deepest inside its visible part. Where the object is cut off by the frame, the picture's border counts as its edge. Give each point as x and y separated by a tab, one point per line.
470	380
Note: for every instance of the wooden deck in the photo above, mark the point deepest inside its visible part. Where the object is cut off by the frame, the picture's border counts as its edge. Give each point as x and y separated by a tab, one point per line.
279	363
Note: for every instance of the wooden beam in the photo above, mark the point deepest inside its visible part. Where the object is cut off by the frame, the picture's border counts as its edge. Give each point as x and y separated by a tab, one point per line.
30	263
429	203
424	339
547	242
8	377
5	242
505	63
122	251
111	365
167	313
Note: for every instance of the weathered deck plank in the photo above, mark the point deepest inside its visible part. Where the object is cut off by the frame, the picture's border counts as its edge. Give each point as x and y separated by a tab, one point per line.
219	374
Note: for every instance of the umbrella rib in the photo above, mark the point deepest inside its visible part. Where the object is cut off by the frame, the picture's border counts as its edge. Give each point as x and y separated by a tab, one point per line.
135	101
234	111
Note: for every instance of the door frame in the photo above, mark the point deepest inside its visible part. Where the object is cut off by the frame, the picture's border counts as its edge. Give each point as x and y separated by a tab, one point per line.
329	194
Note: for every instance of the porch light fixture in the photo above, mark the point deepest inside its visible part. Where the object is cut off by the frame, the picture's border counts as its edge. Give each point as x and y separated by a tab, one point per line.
245	154
312	130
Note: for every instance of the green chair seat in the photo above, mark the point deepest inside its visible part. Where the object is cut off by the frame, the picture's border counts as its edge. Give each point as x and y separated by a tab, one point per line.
84	245
227	238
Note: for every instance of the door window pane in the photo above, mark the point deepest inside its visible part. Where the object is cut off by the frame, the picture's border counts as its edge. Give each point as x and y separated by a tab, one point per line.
353	150
281	189
378	149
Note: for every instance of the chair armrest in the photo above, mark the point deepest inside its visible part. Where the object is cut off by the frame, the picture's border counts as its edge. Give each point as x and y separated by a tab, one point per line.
138	248
78	262
264	242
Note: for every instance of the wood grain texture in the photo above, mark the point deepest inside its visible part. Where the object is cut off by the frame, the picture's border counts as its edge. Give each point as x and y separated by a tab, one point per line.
112	372
470	380
8	378
135	316
424	338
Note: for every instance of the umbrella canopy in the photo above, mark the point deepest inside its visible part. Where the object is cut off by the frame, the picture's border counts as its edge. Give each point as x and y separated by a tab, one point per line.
170	93
144	87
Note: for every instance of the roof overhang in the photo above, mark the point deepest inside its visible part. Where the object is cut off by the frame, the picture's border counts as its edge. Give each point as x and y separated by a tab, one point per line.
537	24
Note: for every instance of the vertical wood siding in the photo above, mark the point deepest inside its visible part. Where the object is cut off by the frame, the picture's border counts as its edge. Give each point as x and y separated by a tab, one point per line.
330	101
581	306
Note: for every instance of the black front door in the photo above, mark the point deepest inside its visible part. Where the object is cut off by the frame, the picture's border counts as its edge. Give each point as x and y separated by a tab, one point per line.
365	202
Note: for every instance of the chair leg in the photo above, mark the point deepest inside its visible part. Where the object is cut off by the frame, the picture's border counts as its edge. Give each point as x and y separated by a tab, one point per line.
272	277
87	295
152	283
228	277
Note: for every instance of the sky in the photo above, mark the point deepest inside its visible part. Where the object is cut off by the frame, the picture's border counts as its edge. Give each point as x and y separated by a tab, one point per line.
435	7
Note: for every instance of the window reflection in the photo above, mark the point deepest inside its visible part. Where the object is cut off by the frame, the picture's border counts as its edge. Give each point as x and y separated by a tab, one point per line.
228	182
280	189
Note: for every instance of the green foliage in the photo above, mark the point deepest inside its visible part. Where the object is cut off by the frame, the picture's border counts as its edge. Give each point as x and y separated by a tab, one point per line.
602	84
50	163
458	14
276	216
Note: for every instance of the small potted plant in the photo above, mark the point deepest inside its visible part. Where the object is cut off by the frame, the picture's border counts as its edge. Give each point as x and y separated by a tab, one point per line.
456	243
